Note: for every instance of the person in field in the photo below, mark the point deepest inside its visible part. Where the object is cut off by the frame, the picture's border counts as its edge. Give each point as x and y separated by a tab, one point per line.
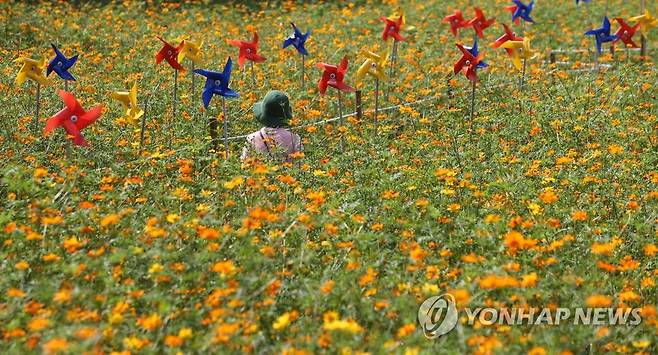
274	140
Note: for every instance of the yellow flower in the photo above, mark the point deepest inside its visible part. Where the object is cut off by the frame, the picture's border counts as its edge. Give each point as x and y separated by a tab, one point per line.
348	325
281	322
235	182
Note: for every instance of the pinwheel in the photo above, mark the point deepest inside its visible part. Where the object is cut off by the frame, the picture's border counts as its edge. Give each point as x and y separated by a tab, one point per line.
625	33
32	69
298	40
647	22
191	50
521	11
479	22
602	34
520	50
392	30
61	65
170	54
456	21
399	13
374	66
217	84
507	36
469	63
72	118
333	76
248	51
129	101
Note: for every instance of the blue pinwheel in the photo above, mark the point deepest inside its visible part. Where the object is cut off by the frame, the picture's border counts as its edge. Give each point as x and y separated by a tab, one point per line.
522	11
61	65
585	1
602	34
216	83
297	39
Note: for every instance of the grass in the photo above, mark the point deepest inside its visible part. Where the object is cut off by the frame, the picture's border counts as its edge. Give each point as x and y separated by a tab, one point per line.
548	197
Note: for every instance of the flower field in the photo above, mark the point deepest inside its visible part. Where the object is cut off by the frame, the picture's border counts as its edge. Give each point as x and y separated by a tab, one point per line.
547	197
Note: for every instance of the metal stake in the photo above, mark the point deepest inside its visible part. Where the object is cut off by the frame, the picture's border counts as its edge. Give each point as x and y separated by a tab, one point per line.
473	100
143	126
340	120
253	73
193	77
225	127
175	93
376	103
303	65
36	106
522	81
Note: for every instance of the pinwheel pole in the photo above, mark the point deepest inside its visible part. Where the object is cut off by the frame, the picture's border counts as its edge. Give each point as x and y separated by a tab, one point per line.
474	84
225	128
340	120
394	55
253	73
376	104
175	94
142	127
643	39
193	79
303	68
37	103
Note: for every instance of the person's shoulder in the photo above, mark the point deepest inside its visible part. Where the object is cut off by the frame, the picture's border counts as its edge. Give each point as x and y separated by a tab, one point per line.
253	135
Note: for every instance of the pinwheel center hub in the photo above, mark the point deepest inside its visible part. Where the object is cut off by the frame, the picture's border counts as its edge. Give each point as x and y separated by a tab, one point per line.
218	82
468	62
391	28
74	118
332	76
59	64
248	50
169	52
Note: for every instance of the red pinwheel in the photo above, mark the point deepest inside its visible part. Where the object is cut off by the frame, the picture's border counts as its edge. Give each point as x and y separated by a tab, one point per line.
333	76
72	118
248	50
392	29
508	36
456	21
625	33
170	54
479	22
470	61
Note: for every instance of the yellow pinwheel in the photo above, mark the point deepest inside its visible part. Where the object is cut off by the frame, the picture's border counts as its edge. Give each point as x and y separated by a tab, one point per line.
646	21
31	69
191	50
520	50
129	100
374	65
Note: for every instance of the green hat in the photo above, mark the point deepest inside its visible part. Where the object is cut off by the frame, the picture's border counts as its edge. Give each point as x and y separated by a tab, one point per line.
274	111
